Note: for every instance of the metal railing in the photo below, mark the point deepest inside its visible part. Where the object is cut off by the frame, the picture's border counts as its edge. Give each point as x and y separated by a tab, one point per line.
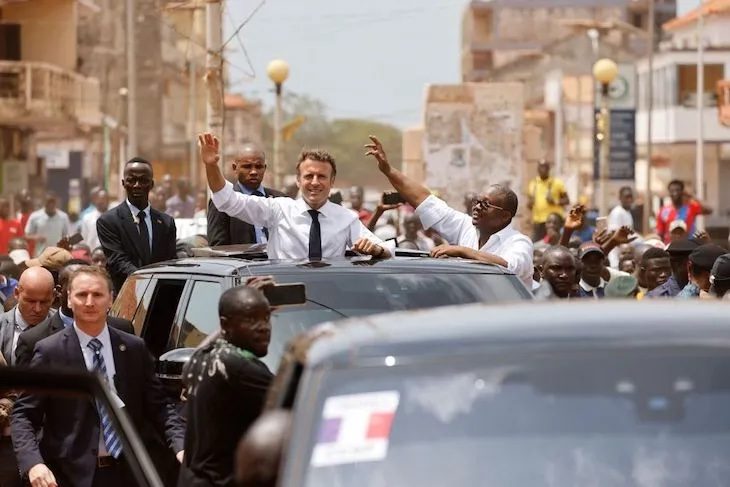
42	92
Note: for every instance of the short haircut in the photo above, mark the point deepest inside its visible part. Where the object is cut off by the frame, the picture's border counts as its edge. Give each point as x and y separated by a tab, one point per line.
510	198
318	155
653	253
559	217
74	262
138	160
91	270
625	189
677	182
556	250
235	298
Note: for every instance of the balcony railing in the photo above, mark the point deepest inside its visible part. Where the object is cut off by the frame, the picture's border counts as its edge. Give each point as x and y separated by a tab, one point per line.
41	94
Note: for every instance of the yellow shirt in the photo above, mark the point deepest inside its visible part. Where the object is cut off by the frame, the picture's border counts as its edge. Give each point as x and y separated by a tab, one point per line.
539	189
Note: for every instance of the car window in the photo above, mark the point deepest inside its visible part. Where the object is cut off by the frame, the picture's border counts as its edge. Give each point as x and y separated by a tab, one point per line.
201	315
158	319
129	299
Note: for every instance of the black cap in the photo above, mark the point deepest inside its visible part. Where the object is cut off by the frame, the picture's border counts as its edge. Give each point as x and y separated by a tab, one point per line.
721	269
684	246
705	256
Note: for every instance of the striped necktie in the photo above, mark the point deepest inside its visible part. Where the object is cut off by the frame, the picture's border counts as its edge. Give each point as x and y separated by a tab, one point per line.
111	440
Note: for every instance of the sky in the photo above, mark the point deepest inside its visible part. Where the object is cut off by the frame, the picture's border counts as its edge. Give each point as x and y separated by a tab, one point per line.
363	59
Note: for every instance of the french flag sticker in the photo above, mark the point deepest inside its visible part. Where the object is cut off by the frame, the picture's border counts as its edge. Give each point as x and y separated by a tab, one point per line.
355	428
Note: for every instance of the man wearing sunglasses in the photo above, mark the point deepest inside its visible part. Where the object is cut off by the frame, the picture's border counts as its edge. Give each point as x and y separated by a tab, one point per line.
487	235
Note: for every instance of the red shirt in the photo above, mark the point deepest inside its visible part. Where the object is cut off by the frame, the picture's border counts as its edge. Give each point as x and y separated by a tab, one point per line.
364	216
687	213
9	229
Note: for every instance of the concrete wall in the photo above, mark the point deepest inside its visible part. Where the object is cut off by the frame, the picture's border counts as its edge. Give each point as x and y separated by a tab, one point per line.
48	30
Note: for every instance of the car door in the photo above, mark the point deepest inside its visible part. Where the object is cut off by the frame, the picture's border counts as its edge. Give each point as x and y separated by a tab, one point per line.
200	315
158	312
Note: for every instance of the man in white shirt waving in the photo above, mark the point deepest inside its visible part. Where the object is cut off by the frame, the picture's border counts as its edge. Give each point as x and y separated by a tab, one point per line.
486	236
311	227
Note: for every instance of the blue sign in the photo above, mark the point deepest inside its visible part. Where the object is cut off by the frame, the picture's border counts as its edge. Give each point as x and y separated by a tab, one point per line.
622	146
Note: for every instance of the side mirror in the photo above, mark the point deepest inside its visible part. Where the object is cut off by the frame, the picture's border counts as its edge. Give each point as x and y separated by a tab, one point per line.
260	454
170	366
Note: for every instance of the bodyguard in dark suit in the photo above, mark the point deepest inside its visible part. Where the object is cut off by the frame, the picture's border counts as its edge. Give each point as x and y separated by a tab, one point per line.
70	441
250	168
134	234
63	318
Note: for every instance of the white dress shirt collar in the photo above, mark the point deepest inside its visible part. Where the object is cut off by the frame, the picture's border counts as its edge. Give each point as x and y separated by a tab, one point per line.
589	289
260	189
19	321
135	211
327	210
498	238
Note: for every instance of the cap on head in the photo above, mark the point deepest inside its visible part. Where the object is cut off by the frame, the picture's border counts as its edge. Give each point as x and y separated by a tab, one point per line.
705	256
621	287
590	248
677	224
721	269
683	246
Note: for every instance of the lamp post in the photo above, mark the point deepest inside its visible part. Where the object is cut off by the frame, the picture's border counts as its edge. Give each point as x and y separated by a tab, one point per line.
278	72
605	71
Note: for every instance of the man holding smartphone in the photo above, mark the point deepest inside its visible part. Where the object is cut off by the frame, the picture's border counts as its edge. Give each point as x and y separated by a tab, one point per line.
486	236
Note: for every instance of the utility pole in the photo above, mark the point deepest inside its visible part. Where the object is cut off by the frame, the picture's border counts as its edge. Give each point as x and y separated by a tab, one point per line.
700	151
131	83
648	198
214	71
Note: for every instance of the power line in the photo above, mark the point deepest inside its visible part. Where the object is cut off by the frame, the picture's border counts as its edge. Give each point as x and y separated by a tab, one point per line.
245	21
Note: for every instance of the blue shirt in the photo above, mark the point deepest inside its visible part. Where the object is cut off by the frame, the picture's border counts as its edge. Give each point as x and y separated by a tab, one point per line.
67	320
690	291
147	218
260	235
667	290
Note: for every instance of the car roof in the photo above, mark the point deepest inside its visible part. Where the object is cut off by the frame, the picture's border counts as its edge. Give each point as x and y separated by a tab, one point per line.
474	327
233	266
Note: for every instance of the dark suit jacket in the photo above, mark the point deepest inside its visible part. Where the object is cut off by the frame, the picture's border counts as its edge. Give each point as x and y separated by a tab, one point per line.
7	329
226	230
28	339
125	250
70	425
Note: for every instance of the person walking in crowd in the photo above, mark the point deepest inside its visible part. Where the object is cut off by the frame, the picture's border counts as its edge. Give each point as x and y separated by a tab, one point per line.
9	227
592	283
679	258
98	257
656	268
558	274
182	203
71	441
88	222
720	277
553	228
412	237
357	199
133	234
63	318
226	385
312	227
620	215
681	207
487	235
546	195
701	261
48	225
158	200
249	167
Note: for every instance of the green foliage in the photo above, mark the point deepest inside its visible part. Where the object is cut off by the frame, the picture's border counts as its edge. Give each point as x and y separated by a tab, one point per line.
344	139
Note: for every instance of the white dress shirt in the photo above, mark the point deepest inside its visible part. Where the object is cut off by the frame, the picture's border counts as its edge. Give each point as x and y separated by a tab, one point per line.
147	218
288	222
111	371
260	235
457	229
88	229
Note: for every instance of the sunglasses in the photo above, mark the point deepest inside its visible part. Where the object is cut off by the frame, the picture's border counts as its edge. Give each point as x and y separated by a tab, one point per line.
484	204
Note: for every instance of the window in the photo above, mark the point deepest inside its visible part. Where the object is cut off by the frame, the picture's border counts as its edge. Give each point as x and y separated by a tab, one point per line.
201	315
128	302
156	318
687	81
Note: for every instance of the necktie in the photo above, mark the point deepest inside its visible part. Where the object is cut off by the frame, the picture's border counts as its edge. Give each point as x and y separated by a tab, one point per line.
315	236
144	231
111	440
260	194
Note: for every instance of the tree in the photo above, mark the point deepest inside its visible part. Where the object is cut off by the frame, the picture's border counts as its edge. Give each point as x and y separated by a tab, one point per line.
344	139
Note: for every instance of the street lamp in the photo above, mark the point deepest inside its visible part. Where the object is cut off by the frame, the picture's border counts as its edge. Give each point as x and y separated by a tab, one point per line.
605	71
278	72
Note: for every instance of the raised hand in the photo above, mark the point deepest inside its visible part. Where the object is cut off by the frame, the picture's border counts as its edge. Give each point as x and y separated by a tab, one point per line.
624	235
209	149
376	150
260	282
575	218
601	237
702	237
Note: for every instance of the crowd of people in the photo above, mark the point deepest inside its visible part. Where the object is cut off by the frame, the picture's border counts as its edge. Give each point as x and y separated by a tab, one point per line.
59	275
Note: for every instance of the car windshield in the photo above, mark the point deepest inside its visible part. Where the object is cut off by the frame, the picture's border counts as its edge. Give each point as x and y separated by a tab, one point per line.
648	418
336	296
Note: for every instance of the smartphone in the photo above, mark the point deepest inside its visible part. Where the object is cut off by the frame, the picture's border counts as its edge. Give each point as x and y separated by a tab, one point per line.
601	223
75	238
392	198
286	294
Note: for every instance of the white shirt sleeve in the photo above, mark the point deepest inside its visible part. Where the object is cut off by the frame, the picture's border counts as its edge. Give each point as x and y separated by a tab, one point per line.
252	209
30	226
518	255
452	225
358	231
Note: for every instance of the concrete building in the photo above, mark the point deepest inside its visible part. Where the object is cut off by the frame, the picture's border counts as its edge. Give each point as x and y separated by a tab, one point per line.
497	32
243	125
675	117
49	112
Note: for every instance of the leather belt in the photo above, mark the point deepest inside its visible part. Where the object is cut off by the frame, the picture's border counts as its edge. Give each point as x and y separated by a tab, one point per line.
107	461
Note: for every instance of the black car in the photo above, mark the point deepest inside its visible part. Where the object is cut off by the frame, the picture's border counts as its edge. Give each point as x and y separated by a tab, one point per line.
174	305
547	394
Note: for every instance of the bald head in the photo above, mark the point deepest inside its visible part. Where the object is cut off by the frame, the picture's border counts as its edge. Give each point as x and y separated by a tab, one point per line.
260	450
250	166
35	293
241	299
